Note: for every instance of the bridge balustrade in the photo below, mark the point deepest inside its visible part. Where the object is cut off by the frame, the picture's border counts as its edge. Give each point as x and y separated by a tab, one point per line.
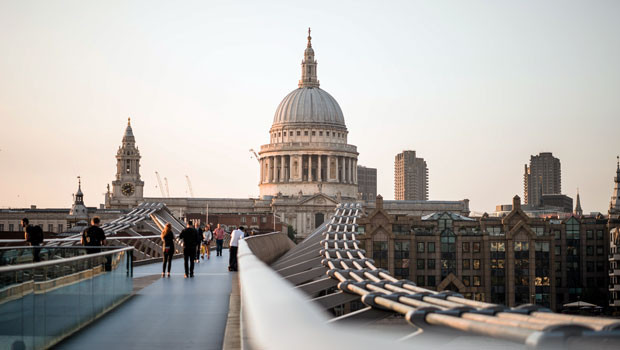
42	303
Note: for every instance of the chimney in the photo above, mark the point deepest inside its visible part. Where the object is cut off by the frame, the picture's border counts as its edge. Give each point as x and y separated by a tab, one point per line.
379	202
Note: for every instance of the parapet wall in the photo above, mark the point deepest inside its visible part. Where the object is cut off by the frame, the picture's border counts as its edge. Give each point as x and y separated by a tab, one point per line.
269	247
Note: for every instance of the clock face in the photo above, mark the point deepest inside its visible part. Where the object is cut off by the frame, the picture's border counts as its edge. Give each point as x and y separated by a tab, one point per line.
127	189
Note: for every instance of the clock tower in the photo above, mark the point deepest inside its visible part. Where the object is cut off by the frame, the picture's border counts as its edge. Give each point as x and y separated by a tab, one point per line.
127	189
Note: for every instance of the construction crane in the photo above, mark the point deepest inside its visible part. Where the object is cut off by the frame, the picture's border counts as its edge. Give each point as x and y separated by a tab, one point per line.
189	185
255	155
167	190
161	188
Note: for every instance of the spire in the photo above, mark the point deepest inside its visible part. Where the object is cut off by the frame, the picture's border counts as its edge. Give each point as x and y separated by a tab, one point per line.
614	206
308	67
79	196
128	137
578	210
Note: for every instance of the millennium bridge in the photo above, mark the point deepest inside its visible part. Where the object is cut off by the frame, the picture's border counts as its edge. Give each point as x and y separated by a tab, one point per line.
323	293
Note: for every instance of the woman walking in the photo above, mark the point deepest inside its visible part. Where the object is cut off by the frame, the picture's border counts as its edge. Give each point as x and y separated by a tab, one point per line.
207	241
168	237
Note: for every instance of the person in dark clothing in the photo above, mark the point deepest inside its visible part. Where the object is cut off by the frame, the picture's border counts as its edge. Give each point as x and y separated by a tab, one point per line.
190	239
199	238
93	236
168	237
34	236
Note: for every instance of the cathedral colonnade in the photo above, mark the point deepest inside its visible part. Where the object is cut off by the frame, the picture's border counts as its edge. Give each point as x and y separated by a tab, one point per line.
308	167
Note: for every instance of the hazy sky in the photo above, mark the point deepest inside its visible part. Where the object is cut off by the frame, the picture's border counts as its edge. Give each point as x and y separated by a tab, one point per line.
475	87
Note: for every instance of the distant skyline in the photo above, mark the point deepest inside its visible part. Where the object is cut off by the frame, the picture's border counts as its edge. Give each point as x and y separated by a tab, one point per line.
474	87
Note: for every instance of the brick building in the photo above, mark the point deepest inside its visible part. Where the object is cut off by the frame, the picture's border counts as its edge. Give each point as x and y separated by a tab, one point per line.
512	260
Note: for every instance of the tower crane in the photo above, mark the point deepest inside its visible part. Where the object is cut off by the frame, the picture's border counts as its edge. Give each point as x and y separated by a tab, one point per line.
161	188
255	155
167	190
189	185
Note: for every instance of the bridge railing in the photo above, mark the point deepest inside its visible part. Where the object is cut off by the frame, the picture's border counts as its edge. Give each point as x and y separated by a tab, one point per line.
42	303
276	316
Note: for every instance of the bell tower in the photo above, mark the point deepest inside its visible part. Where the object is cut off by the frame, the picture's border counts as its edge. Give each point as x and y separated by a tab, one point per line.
127	188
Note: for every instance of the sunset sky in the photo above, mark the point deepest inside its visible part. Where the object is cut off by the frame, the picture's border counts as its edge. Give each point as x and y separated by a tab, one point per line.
475	87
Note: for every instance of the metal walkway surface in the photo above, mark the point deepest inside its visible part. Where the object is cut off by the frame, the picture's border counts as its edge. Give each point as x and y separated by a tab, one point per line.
170	313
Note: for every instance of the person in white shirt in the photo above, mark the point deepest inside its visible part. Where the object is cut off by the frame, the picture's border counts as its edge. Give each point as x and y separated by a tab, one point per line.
235	236
207	237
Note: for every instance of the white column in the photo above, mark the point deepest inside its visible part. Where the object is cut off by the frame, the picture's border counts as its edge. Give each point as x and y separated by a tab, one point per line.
281	179
329	167
260	163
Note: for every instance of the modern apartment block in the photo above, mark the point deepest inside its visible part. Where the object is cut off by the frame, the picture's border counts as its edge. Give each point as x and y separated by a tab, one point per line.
367	183
410	177
542	176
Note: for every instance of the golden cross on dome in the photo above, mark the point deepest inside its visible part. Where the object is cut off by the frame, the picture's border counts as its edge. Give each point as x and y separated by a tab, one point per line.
129	121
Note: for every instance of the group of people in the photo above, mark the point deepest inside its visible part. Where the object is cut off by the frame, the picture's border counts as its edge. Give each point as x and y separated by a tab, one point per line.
197	242
93	236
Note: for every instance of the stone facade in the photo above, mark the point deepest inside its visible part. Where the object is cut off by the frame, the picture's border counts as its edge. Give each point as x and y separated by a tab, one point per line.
511	260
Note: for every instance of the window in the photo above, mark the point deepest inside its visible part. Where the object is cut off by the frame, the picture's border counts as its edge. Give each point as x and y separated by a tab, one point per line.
589	266
306	133
243	219
380	253
11	228
465	247
420	247
589	234
420	264
313	133
539	231
476	281
466	281
431	281
600	266
279	134
495	231
263	219
599	234
1	227
50	227
498	246
476	264
590	250
320	133
420	280
431	247
298	133
60	228
476	247
431	264
558	250
327	133
290	133
466	265
254	219
557	234
599	250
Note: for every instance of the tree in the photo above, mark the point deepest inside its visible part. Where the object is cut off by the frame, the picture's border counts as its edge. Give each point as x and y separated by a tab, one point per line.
292	234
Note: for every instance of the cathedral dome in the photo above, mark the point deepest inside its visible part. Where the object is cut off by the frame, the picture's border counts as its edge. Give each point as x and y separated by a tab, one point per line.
309	105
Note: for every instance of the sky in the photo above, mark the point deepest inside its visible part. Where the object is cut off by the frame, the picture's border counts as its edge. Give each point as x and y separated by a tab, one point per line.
474	87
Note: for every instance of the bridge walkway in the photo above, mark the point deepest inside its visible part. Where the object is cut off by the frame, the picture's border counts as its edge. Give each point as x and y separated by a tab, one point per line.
170	313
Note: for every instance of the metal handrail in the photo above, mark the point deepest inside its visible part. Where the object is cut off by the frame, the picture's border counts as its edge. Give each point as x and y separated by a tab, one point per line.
36	265
79	238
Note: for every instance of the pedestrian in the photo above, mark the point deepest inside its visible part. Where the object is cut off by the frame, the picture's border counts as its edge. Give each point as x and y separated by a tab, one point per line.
235	236
93	236
208	235
33	235
200	238
219	240
168	247
190	238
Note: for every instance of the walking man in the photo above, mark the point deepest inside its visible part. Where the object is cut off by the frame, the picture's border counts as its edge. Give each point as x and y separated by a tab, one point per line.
219	240
33	236
199	238
190	238
93	236
235	236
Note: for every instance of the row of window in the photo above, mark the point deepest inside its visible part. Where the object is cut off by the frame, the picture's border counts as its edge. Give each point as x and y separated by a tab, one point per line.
263	219
307	133
430	264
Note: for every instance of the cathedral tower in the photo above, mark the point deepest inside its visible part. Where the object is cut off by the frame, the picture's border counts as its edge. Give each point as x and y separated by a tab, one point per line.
127	189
